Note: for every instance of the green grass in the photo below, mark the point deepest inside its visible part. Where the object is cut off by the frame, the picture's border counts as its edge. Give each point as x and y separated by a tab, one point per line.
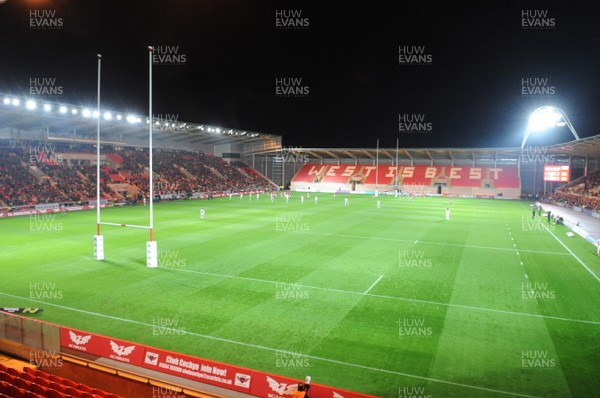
257	277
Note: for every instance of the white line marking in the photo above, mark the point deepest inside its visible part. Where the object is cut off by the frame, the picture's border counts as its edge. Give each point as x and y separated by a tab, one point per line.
373	285
569	250
261	347
428	243
467	307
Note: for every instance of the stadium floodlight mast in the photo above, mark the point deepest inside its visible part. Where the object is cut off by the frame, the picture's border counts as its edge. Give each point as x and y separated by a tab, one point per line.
546	117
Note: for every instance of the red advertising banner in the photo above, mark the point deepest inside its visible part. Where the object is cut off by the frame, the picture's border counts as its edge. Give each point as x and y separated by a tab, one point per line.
273	386
192	368
197	369
102	346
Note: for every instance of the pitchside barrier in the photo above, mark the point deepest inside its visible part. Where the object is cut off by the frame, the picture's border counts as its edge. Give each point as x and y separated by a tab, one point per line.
30	334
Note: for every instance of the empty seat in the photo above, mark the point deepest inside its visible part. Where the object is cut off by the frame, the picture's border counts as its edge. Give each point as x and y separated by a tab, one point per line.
84	388
19	382
38	389
74	392
7	377
27	376
31	394
58	387
29	370
13	372
55	394
69	383
16	392
100	392
43	381
3	367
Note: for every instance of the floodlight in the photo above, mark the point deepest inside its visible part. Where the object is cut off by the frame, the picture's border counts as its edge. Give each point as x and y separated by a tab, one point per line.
15	102
47	107
62	109
6	101
86	113
546	117
107	116
30	104
133	119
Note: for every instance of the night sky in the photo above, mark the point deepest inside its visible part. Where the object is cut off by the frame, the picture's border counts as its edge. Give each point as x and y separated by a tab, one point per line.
342	60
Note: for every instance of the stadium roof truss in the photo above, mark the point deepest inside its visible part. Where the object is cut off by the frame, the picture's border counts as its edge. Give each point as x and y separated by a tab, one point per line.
22	117
585	148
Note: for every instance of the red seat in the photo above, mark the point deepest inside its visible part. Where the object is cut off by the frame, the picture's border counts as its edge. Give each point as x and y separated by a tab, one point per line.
30	394
29	370
84	388
55	394
7	377
43	381
74	392
89	395
19	382
3	367
41	373
58	387
69	383
13	372
38	389
28	376
3	386
100	392
16	392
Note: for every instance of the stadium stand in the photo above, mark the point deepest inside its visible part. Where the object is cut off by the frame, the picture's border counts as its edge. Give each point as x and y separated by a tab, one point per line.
582	192
434	179
36	172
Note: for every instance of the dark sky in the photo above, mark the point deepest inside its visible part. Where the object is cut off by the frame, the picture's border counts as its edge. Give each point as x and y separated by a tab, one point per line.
468	93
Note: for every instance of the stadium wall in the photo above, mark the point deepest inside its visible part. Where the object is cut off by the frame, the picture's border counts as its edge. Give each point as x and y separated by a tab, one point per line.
26	335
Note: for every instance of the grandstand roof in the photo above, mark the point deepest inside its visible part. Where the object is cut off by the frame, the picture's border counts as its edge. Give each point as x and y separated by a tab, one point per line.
39	119
585	147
